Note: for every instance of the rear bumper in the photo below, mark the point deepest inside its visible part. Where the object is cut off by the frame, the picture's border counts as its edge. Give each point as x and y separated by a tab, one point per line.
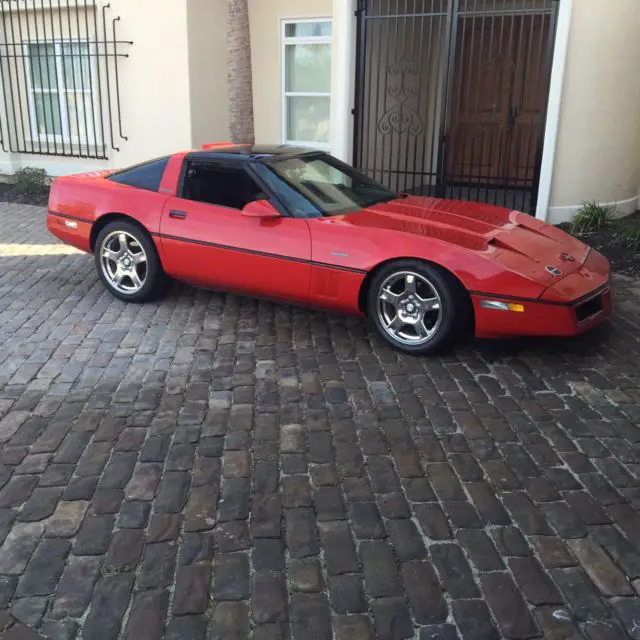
543	318
72	231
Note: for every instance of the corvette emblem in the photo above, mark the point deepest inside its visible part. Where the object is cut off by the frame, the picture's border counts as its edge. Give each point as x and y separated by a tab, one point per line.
554	271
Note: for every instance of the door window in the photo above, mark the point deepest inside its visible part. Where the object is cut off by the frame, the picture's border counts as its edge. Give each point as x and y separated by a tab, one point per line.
221	185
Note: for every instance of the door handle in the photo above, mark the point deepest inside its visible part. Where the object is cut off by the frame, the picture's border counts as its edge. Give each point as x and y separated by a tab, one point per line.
178	215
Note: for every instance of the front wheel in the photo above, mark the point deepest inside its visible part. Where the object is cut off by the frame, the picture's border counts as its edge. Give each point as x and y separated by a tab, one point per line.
417	307
128	263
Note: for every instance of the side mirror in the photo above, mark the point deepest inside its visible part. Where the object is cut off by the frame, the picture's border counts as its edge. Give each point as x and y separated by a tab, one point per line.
260	209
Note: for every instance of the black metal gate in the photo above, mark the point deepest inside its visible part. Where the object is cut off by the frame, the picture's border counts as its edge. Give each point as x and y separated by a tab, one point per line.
451	96
60	78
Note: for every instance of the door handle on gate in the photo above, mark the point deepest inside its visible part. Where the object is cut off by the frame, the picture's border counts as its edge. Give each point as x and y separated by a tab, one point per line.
179	215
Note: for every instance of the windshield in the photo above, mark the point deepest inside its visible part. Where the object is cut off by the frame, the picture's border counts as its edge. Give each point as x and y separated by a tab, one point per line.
331	187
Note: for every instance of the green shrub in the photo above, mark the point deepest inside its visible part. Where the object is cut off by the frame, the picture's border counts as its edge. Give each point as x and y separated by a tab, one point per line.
629	236
592	216
31	181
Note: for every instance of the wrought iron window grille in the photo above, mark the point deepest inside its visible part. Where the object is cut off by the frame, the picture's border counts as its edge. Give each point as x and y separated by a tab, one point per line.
60	76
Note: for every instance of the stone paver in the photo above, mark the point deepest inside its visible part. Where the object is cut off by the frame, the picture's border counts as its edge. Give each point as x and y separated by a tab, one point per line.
211	466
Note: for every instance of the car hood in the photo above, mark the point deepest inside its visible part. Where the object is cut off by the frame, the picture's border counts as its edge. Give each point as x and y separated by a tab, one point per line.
517	241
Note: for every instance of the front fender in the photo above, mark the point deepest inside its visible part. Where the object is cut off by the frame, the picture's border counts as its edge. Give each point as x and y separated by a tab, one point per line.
366	249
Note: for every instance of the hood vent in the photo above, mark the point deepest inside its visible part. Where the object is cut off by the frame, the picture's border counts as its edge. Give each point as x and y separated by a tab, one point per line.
499	243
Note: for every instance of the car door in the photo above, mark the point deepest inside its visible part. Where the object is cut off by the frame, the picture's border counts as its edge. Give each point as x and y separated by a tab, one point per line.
208	241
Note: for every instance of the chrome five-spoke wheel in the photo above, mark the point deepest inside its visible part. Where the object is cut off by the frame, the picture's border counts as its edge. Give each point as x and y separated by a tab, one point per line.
409	308
127	261
417	306
124	262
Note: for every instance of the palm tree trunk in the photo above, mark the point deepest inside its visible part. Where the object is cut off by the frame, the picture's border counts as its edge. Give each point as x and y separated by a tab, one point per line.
239	73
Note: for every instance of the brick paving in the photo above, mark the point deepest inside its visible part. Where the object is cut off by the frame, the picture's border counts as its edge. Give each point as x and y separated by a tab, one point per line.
211	466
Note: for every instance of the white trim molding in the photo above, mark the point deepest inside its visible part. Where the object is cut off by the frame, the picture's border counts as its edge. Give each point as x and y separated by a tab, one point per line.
554	105
556	215
343	67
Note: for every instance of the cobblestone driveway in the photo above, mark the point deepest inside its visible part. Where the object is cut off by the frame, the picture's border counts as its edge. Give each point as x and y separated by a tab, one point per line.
214	467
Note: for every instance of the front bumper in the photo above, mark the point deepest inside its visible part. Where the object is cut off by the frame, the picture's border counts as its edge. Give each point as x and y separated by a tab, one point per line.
543	318
575	304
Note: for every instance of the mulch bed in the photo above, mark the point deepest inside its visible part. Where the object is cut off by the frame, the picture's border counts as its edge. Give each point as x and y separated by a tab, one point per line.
9	193
623	260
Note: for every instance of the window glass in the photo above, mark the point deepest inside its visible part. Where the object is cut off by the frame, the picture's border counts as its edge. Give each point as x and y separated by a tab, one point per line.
308	68
307	29
307	83
61	100
47	114
43	66
296	203
330	186
143	176
80	125
221	185
308	119
75	60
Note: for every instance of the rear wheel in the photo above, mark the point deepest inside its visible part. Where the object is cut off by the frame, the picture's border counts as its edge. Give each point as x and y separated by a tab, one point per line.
128	263
417	307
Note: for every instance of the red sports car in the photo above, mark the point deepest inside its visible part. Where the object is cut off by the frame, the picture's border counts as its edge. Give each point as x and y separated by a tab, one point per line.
302	227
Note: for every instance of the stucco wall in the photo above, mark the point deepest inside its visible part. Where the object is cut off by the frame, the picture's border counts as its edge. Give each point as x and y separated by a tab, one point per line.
598	147
155	82
266	44
207	21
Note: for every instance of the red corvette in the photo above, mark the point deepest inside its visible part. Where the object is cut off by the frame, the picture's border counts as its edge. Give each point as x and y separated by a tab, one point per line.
302	227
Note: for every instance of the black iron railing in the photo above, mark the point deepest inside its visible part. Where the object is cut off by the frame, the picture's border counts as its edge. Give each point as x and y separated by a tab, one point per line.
59	69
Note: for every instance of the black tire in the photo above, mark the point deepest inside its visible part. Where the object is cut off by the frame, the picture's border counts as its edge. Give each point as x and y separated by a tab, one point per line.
155	280
454	307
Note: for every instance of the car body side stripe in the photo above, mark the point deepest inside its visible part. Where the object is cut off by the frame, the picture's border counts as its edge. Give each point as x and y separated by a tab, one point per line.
68	217
260	253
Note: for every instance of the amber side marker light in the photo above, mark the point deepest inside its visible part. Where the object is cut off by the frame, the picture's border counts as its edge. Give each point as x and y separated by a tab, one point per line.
502	306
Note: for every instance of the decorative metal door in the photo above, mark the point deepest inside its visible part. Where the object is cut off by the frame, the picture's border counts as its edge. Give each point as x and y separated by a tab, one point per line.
451	96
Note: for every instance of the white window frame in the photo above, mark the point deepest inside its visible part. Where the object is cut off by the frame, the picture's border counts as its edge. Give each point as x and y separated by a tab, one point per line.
63	90
288	41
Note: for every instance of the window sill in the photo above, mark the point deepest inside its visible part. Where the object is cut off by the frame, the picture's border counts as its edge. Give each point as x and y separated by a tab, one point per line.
63	147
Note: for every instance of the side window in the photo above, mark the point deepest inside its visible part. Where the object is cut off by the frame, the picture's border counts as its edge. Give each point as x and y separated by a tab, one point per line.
146	176
220	185
296	202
